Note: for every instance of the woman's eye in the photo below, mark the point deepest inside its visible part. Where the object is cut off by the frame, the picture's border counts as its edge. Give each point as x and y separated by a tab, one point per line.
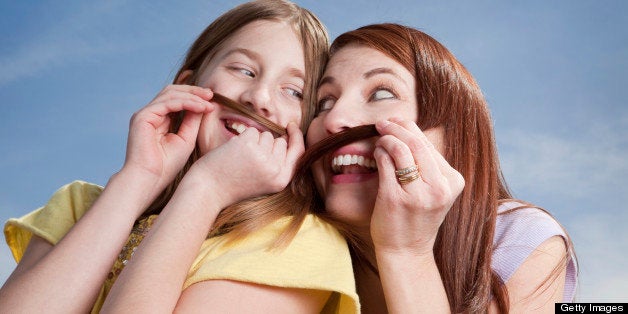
294	93
382	94
326	104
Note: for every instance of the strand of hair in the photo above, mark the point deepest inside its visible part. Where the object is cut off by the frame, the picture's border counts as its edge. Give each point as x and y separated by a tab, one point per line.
245	111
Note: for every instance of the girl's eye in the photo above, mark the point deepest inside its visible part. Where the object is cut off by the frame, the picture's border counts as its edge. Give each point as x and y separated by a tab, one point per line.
246	72
382	94
326	104
294	93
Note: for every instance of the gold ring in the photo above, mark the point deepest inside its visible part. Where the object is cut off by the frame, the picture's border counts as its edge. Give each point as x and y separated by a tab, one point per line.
406	170
405	179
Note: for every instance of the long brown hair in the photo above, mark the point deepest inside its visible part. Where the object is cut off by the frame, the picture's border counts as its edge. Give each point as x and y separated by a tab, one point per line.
449	97
249	215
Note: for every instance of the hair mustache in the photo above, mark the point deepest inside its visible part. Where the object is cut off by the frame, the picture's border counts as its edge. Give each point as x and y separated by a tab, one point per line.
312	153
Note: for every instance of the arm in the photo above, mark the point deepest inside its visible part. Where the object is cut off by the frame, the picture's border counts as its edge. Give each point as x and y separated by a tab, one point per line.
213	182
406	218
536	286
74	262
82	259
405	225
224	296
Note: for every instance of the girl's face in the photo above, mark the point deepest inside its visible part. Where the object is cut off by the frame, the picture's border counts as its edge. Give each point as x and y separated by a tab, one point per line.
360	86
262	66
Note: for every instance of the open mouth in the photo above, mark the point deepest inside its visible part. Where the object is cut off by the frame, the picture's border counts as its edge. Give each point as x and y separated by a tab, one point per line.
235	127
353	164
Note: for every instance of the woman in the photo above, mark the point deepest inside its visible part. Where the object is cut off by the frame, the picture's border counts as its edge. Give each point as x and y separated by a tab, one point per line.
266	55
431	221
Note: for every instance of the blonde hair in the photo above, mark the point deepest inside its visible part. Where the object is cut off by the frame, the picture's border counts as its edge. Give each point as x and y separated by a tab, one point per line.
244	217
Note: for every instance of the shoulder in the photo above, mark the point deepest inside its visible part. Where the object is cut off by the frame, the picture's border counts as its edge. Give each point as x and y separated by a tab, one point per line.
520	230
524	224
317	258
314	247
53	220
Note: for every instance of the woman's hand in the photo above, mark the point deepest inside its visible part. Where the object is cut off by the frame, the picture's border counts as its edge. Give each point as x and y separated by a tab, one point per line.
407	215
251	164
152	152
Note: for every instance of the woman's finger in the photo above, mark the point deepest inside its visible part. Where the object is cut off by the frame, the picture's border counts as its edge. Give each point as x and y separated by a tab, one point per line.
385	168
420	147
406	171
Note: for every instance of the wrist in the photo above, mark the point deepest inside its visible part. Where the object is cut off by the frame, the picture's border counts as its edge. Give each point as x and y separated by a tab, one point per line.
398	255
138	190
203	190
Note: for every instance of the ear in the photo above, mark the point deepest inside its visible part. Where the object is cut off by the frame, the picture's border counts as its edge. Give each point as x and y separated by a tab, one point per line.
184	77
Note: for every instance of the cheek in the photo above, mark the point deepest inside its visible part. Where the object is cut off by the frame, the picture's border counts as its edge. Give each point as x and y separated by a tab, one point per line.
209	133
315	132
319	177
437	137
293	114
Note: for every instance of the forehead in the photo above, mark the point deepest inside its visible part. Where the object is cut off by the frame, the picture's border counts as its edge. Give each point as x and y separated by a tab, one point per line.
278	36
362	59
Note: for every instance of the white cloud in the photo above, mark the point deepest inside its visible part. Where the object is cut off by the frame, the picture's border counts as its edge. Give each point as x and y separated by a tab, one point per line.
79	34
586	175
601	243
589	163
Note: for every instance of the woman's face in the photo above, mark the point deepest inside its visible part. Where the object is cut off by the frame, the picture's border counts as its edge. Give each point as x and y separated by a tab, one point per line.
262	66
360	86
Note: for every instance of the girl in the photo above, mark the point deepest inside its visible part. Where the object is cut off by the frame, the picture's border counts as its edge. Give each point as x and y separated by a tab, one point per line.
187	159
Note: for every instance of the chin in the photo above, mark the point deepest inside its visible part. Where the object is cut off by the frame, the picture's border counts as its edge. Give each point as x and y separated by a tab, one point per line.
354	211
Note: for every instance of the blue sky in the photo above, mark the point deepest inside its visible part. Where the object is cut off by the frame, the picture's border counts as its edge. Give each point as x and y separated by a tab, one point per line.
555	75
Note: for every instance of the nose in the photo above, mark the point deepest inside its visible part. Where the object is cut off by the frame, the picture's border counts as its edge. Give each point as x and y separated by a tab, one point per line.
343	115
258	97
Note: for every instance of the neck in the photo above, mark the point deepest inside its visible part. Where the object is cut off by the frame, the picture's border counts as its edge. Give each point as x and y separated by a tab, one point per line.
369	286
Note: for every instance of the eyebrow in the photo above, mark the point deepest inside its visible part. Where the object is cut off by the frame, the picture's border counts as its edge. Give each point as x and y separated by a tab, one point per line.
248	53
377	71
367	75
326	80
292	71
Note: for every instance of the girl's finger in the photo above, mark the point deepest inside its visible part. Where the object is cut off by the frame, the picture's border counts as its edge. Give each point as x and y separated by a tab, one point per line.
266	141
202	92
189	128
176	101
296	145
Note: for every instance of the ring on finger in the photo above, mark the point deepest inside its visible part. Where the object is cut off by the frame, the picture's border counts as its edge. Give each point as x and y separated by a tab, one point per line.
409	177
407	170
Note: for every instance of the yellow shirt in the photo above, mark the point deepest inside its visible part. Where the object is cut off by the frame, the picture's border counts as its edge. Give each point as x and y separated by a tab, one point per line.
317	258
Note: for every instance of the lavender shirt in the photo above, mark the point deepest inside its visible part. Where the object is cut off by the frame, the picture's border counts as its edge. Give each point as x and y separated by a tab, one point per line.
519	233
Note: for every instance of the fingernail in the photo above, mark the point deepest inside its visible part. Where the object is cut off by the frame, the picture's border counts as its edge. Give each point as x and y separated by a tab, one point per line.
383	123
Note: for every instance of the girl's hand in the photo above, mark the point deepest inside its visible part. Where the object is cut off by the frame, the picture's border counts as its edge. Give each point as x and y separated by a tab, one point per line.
152	152
407	215
250	164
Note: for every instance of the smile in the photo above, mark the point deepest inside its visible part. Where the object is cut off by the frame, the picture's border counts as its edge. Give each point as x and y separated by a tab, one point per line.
353	164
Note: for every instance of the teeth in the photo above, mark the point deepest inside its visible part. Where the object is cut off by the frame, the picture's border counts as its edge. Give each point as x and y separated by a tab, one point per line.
348	160
238	127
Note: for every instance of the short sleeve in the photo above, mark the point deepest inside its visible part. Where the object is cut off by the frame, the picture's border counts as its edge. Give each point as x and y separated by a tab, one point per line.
52	221
518	233
317	258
